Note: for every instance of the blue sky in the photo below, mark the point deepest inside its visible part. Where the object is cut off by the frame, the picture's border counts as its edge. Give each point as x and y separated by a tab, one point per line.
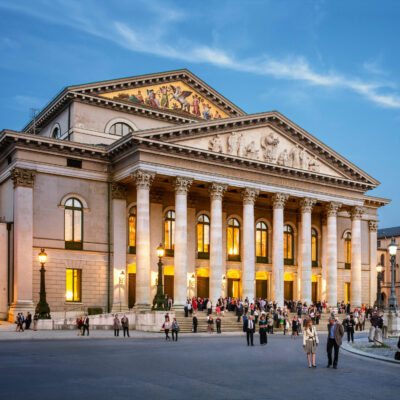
333	67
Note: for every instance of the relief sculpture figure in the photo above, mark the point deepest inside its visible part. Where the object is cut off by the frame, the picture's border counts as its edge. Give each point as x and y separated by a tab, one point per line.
240	145
295	157
232	143
270	145
313	165
284	159
251	150
215	144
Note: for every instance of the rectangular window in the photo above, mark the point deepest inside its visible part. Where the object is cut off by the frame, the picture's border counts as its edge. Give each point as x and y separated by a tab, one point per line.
73	285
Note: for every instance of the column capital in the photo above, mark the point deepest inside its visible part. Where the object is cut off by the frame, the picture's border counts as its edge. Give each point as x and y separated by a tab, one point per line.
118	191
182	184
332	208
249	195
357	212
279	200
143	179
307	204
373	226
217	190
23	177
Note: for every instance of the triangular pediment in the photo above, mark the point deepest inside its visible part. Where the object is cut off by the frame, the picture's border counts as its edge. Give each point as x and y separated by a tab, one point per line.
263	144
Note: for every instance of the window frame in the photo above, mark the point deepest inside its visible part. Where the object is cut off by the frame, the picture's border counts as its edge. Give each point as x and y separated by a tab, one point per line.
263	259
73	244
170	252
347	250
79	271
288	261
122	125
204	255
233	257
132	249
314	234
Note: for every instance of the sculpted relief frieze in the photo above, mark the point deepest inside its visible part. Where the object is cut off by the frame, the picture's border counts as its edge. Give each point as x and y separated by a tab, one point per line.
263	145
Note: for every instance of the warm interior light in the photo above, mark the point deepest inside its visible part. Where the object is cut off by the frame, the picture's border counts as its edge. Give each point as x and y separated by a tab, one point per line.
160	251
122	277
69	295
42	257
379	268
392	247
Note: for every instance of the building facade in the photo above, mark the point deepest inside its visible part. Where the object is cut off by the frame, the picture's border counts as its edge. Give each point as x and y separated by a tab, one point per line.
384	259
245	205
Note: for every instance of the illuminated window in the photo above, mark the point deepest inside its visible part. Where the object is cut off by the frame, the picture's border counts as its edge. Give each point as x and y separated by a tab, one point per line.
73	224
203	236
73	285
132	230
169	233
314	247
120	129
347	250
233	240
288	244
261	242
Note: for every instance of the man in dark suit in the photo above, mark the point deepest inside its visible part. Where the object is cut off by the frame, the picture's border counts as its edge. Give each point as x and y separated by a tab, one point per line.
250	329
85	325
334	341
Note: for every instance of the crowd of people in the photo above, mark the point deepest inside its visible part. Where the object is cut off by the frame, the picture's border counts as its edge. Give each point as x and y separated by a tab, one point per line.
23	322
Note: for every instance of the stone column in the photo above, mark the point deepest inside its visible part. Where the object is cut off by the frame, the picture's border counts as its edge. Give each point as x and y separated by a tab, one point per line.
143	180
3	271
373	228
323	257
306	206
216	191
23	241
249	258
119	235
278	202
331	254
356	215
182	186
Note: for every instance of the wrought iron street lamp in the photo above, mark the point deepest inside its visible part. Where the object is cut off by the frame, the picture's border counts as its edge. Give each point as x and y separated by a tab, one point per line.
392	302
42	307
159	299
379	305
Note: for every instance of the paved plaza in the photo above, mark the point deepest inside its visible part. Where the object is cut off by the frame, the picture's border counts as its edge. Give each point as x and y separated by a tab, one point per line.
193	368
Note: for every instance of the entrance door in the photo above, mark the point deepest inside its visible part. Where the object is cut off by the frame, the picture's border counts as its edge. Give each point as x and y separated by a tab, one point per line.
203	287
288	293
262	289
169	285
314	292
347	292
132	290
233	287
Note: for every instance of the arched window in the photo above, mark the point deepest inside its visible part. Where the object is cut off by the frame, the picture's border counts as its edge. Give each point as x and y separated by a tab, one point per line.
314	247
261	242
56	134
347	250
203	237
233	240
120	129
169	233
73	224
288	244
132	230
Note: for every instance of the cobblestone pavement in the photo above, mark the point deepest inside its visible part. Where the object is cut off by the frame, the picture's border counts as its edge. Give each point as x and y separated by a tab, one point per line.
193	368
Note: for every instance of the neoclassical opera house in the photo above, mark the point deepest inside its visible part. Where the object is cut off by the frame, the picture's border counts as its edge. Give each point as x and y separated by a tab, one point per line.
244	205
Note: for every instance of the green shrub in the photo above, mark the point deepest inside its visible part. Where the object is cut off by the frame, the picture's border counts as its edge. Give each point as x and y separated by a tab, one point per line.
95	310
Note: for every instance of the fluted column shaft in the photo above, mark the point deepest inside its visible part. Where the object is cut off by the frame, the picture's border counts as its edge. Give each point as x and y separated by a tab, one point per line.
306	209
278	201
143	181
324	259
216	191
182	186
356	215
331	254
373	228
249	259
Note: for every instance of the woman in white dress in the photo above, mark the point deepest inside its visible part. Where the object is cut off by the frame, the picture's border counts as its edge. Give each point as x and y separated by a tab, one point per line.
310	343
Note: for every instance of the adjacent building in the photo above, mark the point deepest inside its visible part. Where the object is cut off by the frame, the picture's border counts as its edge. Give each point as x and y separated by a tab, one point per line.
246	205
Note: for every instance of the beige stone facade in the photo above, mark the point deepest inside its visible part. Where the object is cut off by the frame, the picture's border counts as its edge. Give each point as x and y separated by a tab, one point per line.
279	206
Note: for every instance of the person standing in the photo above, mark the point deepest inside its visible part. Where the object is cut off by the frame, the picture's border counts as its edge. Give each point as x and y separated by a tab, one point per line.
250	328
79	324
310	343
218	323
209	307
35	321
85	325
28	320
125	325
350	328
166	326
263	330
210	324
116	325
175	329
295	324
195	322
335	334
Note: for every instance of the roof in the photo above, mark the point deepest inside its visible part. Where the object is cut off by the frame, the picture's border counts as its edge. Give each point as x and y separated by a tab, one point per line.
389	232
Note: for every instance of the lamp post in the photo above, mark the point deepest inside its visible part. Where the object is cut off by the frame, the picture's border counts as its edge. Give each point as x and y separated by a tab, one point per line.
42	307
392	302
121	282
159	299
379	305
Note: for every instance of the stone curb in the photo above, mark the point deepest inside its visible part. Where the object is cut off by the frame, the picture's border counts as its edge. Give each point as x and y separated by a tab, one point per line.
350	349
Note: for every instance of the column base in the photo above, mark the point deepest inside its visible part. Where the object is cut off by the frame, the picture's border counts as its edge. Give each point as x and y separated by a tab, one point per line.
20	306
142	307
116	308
